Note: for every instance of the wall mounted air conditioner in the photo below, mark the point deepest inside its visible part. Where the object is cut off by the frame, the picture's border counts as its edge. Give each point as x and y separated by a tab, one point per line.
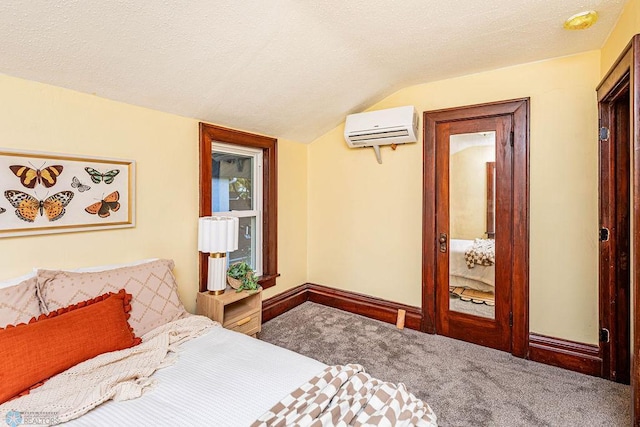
382	127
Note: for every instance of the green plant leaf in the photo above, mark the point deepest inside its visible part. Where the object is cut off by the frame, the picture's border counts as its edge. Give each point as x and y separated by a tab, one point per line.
242	271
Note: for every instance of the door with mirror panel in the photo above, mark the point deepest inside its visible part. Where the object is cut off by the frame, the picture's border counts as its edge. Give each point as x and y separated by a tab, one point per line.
475	224
472	269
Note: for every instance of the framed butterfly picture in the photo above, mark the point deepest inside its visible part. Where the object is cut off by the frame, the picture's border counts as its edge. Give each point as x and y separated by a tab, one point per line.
43	193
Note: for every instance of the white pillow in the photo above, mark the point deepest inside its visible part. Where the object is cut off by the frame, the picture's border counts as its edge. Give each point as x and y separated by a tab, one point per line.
16	280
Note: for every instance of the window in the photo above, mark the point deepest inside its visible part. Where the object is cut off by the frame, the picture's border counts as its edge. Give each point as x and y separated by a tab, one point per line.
236	190
238	178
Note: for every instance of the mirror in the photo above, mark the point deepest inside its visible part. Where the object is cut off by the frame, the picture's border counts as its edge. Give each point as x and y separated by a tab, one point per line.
472	231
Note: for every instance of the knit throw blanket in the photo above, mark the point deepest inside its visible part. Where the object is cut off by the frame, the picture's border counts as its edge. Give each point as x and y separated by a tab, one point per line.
483	252
347	396
118	375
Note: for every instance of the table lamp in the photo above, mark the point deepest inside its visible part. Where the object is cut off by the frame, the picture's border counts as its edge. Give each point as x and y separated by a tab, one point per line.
217	235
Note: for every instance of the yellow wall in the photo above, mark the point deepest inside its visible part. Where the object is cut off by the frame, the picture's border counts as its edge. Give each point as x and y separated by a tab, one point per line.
365	218
292	216
627	26
468	192
40	117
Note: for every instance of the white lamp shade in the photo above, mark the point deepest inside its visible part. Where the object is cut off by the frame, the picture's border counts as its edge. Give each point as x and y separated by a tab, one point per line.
217	234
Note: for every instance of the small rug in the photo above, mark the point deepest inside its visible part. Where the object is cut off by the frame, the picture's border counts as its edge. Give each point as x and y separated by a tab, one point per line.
473	295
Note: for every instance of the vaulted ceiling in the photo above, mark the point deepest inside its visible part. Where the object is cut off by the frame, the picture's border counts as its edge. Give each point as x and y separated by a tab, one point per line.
286	68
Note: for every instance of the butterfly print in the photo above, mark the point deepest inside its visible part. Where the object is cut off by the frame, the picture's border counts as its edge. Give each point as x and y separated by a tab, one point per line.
102	208
97	176
28	207
75	183
29	177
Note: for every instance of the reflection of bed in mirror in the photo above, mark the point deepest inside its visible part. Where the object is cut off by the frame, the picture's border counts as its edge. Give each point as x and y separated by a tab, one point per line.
479	277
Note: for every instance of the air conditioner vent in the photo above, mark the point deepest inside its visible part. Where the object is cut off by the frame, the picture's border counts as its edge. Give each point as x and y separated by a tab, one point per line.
371	136
382	127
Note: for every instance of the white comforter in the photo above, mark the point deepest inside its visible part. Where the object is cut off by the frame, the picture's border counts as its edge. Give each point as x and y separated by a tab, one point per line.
221	378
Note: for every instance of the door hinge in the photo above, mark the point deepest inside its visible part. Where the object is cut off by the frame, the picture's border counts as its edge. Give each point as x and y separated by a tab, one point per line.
511	319
512	138
603	133
604	335
603	235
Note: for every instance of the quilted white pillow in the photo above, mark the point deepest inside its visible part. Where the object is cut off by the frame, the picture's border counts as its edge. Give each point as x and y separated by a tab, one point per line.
152	285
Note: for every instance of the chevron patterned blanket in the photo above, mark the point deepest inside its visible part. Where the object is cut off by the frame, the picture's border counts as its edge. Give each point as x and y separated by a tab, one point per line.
347	396
483	252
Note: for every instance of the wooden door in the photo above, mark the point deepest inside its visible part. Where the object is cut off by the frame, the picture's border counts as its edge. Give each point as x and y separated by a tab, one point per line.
615	229
624	72
500	218
476	322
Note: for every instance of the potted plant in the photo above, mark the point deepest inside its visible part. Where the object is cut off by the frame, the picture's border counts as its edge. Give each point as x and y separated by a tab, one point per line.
240	276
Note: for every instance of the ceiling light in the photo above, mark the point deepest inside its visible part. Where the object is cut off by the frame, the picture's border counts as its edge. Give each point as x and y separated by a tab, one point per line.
581	21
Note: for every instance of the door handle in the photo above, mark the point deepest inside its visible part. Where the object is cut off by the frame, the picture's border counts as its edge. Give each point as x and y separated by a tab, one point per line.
443	242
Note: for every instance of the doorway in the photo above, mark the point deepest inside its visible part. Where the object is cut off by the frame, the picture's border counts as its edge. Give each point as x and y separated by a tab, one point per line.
615	223
475	224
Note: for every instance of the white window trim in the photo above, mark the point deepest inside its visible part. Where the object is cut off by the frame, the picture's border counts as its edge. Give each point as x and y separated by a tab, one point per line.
257	199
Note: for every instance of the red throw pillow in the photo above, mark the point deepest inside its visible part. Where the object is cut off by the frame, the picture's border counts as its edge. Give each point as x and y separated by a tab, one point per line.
50	344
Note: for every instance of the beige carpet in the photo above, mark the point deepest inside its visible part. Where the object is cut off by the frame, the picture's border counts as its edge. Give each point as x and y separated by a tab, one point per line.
465	384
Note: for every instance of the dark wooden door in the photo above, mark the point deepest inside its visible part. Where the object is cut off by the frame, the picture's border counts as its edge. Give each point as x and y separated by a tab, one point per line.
615	231
625	72
507	219
484	329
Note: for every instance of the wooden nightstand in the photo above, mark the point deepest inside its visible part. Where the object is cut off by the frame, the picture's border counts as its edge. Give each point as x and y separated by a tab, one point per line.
238	311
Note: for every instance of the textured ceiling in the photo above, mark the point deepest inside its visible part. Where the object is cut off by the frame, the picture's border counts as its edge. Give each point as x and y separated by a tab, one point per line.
287	68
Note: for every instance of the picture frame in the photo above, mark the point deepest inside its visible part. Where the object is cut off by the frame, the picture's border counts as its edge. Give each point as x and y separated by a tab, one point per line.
44	193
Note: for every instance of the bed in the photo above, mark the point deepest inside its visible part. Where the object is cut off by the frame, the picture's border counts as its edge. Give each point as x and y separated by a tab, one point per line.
248	377
480	277
180	369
